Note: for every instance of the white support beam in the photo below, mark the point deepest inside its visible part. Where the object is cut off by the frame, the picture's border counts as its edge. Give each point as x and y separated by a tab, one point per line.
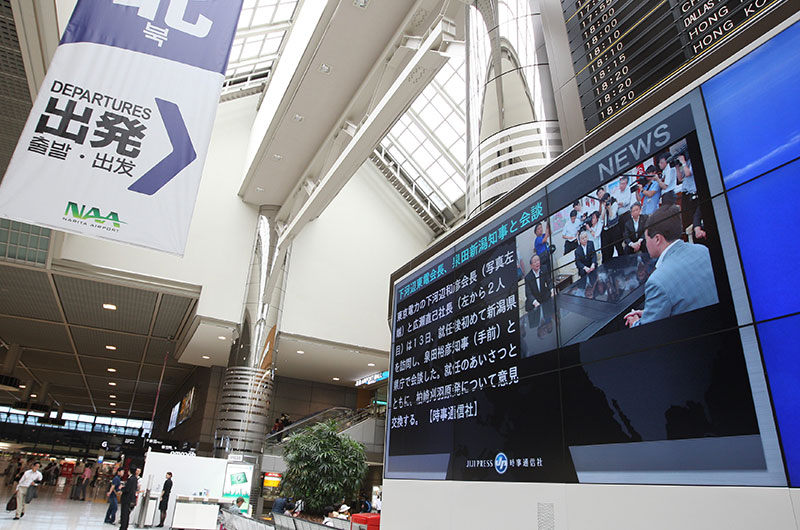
416	75
409	83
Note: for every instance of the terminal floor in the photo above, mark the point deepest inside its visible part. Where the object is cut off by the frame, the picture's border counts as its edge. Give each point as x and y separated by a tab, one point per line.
54	511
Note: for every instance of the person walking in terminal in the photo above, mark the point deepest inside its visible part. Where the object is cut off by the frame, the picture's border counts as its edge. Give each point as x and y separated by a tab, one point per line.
585	257
634	230
683	279
113	496
28	480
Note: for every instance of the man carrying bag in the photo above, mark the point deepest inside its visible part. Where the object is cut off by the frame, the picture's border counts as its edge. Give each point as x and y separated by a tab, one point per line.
30	479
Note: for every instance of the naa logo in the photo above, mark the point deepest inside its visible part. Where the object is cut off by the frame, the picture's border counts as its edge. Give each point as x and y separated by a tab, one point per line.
85	215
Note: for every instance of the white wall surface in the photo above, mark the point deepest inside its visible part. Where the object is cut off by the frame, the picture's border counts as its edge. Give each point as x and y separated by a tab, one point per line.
222	233
338	278
450	505
190	474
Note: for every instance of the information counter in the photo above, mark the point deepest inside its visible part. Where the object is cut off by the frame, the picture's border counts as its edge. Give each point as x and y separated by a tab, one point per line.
195	513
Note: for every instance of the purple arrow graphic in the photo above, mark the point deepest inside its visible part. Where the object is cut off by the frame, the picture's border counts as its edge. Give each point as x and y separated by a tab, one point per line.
182	154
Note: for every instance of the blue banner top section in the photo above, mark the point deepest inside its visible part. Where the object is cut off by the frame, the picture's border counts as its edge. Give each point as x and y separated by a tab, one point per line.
194	32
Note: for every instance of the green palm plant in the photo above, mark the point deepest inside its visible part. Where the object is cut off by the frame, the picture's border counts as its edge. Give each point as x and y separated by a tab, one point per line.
322	466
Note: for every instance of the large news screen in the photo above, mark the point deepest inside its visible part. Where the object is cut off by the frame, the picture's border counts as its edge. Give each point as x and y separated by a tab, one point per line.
589	332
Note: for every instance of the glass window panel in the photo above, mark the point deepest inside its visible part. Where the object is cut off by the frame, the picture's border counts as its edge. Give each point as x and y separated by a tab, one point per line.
272	44
437	174
284	12
447	135
69	416
252	48
408	141
438	201
424	186
452	191
423	158
263	15
431	116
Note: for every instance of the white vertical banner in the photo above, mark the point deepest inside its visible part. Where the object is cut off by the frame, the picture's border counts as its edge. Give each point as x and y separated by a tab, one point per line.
116	141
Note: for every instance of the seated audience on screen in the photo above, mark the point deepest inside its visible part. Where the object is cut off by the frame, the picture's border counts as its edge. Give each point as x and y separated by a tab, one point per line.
683	279
634	230
585	257
537	291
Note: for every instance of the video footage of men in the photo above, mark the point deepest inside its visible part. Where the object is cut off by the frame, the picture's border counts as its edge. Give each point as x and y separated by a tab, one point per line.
628	253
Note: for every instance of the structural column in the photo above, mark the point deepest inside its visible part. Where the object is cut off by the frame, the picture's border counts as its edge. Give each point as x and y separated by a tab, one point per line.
512	123
242	421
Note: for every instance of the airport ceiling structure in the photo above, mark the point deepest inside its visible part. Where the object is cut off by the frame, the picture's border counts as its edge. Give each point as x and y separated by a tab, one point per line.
85	352
393	78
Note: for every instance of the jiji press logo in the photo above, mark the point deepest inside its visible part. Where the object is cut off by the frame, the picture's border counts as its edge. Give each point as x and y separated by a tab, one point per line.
91	214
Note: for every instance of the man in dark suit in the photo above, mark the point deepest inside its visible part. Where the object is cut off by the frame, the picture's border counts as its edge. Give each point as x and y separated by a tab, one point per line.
633	233
537	291
128	500
585	256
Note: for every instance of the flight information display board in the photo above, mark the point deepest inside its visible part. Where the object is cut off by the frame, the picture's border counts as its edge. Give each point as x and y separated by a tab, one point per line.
622	48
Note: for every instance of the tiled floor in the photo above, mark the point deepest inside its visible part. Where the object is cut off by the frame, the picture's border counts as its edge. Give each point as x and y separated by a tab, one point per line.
54	511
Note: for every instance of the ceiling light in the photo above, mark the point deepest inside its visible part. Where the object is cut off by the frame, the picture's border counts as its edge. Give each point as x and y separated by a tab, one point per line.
110	307
112	383
34	395
23	386
370	364
113	412
110	347
335	378
206	357
112	370
259	189
221	337
112	396
277	157
325	68
301	352
113	404
298	118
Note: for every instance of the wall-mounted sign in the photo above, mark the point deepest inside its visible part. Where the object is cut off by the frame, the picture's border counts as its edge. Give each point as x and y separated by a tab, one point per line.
374	378
115	144
237	484
272	480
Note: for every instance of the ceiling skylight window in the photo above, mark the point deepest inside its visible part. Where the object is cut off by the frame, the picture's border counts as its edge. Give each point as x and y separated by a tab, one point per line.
263	26
429	140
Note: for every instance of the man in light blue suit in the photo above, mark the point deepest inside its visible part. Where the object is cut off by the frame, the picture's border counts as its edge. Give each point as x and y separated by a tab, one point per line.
683	279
